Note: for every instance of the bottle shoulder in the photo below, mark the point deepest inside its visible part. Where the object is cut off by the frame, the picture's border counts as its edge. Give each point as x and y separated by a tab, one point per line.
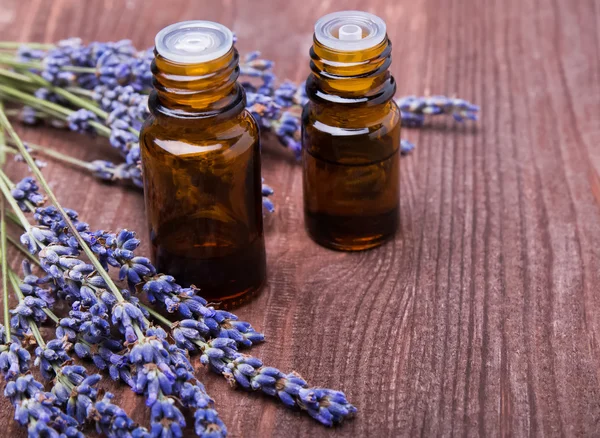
350	137
351	117
193	137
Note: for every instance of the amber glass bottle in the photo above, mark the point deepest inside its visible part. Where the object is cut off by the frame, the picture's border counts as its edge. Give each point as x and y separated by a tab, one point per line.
351	134
201	162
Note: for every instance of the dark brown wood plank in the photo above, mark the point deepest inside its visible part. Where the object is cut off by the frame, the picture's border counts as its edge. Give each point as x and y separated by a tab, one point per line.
482	317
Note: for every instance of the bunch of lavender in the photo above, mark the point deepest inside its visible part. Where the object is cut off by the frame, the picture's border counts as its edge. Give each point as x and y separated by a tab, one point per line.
414	109
225	333
156	367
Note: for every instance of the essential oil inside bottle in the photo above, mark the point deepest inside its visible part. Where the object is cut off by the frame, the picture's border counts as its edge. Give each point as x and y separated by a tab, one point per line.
201	162
351	134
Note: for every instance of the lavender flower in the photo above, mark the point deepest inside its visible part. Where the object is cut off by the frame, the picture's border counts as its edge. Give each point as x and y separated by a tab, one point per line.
208	321
114	421
25	191
28	115
266	192
127	317
26	53
109	63
288	132
30	308
327	406
79	121
31	285
406	147
38	410
162	372
414	109
49	356
125	100
14	360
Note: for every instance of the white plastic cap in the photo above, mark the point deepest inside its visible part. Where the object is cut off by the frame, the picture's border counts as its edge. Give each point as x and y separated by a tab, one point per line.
193	42
349	31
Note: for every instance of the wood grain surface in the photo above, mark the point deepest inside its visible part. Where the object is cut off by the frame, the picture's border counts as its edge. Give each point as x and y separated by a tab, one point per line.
482	318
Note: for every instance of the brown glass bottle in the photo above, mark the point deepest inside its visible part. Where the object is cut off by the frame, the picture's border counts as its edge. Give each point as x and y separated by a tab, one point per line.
201	162
351	135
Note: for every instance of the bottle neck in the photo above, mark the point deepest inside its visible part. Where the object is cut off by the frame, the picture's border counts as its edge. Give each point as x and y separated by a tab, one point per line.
197	90
359	78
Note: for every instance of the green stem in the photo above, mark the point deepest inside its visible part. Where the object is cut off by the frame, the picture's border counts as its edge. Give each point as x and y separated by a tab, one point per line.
37	65
51	315
53	154
13	62
5	189
79	101
35	102
42	181
81	91
57	110
36	333
16	76
83	103
2	142
17	112
157	316
17	45
4	269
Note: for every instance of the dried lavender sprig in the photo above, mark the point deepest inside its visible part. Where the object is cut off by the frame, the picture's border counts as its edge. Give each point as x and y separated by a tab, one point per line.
118	250
327	406
122	123
37	410
56	110
414	109
14	359
323	397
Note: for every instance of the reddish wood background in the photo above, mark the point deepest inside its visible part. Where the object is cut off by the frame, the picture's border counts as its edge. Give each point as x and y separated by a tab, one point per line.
482	317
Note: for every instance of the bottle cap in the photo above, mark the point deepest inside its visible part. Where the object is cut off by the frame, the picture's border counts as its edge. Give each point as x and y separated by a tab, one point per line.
349	31
193	42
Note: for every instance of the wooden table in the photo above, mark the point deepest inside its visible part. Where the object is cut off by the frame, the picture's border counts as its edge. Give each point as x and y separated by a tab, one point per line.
482	317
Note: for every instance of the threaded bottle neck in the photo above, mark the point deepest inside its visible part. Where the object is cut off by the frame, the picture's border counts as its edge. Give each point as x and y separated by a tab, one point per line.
351	77
197	89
